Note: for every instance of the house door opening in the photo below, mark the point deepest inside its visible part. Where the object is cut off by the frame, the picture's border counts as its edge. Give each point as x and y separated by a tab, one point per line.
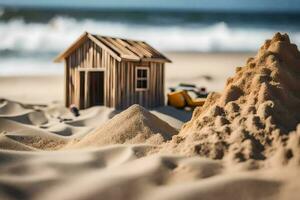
96	88
91	88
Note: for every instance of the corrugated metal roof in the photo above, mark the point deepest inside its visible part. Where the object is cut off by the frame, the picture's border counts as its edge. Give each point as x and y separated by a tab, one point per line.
122	49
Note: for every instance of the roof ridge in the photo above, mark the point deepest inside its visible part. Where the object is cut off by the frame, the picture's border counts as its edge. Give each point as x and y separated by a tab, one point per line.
128	49
113	37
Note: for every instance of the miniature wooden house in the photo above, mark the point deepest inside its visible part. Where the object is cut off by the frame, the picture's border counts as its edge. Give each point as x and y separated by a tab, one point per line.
113	72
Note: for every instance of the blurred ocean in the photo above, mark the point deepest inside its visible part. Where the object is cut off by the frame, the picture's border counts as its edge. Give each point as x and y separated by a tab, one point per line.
32	37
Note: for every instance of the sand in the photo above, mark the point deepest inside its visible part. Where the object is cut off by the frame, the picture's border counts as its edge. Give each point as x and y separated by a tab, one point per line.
243	144
118	173
203	69
132	126
254	116
36	89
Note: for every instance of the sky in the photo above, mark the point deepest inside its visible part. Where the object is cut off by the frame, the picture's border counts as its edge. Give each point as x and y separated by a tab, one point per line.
253	5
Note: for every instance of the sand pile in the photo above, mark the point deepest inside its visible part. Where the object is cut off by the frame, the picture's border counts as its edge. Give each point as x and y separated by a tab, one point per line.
132	126
13	133
52	127
254	115
26	114
255	118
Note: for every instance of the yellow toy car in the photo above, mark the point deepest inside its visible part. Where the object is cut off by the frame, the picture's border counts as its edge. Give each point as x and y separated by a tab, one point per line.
181	99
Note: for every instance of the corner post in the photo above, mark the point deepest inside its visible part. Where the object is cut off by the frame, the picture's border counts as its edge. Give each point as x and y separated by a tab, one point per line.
66	83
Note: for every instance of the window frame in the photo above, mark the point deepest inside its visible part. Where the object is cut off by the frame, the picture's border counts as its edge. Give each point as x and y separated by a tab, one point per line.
141	78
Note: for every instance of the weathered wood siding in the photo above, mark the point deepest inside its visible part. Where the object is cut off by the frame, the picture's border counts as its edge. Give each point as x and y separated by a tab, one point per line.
89	55
126	93
119	77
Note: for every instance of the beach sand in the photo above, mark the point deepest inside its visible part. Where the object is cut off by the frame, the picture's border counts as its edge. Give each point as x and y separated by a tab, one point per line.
46	153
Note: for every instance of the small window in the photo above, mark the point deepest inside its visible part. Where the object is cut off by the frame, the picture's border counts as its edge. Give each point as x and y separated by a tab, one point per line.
142	78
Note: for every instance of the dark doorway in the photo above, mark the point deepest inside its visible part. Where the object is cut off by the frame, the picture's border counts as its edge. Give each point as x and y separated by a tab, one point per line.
91	88
96	88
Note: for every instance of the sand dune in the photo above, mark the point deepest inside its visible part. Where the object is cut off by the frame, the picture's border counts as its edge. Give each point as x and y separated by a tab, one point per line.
93	117
119	173
11	109
243	144
134	125
11	144
254	115
30	136
52	127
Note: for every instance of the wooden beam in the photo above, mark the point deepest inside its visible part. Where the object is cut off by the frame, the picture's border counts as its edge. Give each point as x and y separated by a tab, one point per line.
90	69
123	50
103	46
157	53
130	47
86	89
66	84
159	60
140	48
122	53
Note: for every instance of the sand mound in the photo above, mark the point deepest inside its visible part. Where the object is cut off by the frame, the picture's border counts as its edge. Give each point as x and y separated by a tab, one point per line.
11	108
92	117
10	144
68	130
52	127
253	116
134	125
33	138
118	173
22	113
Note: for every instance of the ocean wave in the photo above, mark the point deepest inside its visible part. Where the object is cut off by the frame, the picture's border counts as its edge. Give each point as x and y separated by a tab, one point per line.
2	11
29	48
60	32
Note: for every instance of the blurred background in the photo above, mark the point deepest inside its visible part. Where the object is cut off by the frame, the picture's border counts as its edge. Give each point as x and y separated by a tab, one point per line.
33	32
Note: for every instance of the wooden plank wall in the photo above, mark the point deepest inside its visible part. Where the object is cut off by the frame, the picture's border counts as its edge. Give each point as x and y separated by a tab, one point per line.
119	78
126	94
89	55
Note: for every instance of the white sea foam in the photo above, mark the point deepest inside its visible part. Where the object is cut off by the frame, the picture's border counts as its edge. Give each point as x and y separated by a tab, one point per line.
60	32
